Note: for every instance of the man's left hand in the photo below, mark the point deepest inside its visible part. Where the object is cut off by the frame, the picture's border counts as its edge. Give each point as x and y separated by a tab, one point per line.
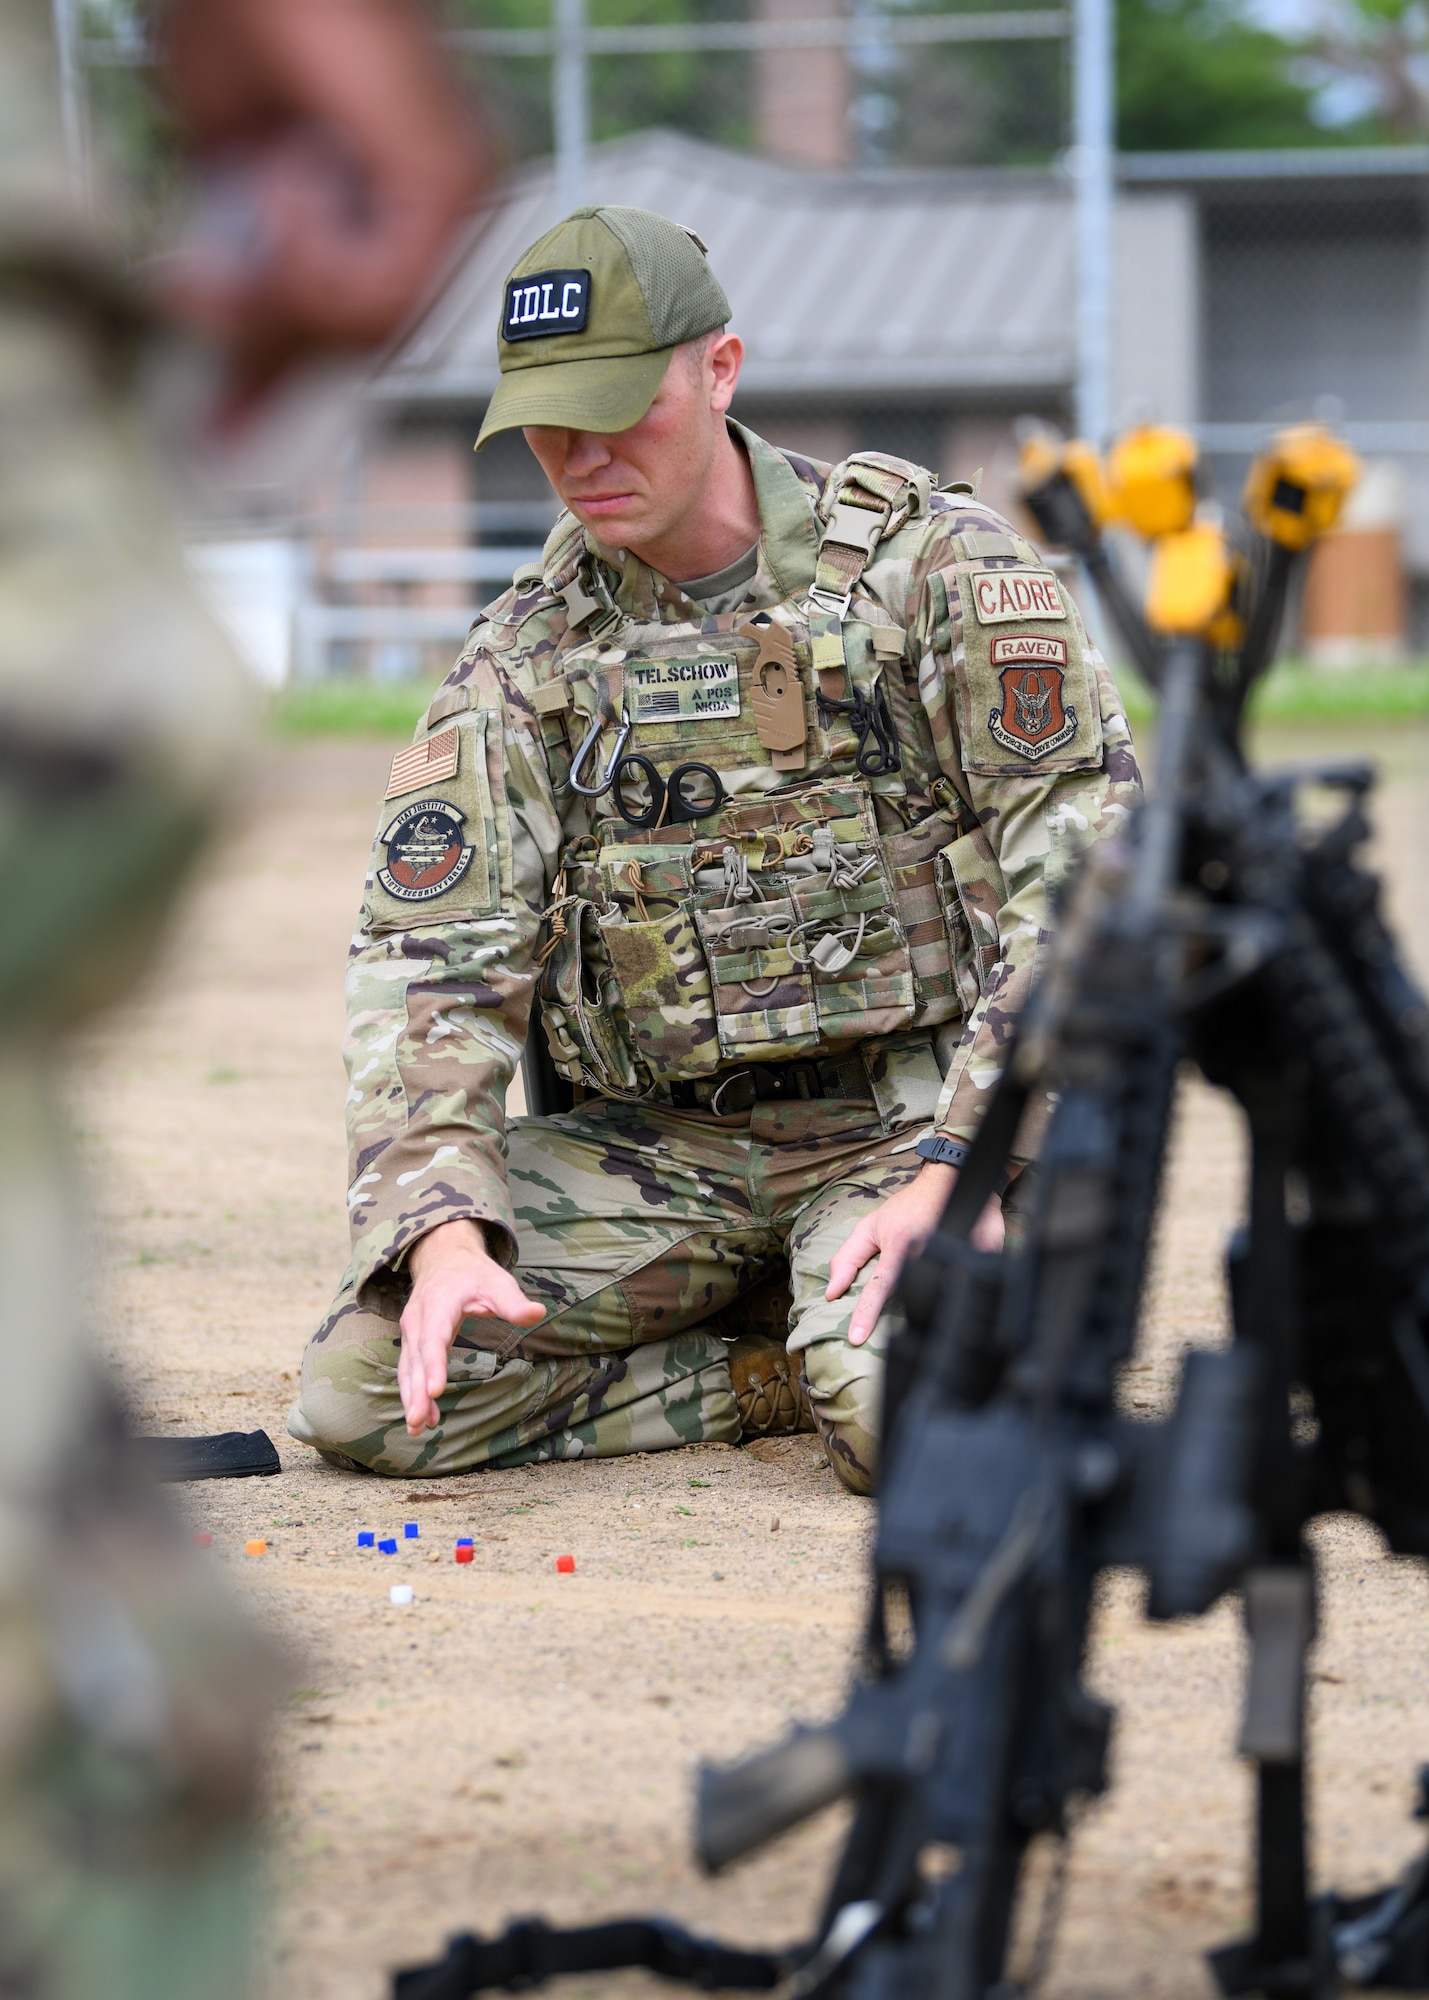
894	1231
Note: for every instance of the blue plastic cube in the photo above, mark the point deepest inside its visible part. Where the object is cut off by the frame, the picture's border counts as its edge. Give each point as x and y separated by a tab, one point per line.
389	1547
464	1541
365	1538
409	1529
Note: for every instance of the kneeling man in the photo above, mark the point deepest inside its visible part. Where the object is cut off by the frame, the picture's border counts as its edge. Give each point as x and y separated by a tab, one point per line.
754	789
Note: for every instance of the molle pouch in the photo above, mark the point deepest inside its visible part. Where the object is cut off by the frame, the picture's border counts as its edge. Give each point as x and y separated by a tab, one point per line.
582	1011
763	991
921	899
665	992
1027	697
647	929
858	958
972	893
793	816
906	1079
643	881
435	856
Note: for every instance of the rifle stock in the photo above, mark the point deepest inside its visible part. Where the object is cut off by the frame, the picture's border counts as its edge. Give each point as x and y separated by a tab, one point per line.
1213	932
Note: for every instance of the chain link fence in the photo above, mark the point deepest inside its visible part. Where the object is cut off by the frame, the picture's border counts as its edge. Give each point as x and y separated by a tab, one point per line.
1250	288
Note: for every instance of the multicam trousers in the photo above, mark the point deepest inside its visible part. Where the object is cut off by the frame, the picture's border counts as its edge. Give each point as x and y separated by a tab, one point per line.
640	1230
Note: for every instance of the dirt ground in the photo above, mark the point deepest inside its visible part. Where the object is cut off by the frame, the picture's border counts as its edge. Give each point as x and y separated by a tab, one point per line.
519	1740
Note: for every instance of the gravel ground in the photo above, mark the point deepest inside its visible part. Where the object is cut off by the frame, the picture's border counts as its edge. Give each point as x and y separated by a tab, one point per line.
519	1739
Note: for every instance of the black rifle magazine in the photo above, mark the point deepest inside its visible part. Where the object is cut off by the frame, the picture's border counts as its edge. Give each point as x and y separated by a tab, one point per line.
229	1455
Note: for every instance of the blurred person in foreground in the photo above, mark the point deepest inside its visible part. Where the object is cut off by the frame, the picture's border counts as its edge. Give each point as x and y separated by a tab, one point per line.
759	782
132	1696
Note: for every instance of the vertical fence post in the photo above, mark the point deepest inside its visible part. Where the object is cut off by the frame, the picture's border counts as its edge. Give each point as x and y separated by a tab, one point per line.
570	102
1094	158
74	118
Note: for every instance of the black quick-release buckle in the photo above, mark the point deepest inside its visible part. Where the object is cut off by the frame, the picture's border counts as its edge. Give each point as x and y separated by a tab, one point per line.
798	1081
801	1078
869	720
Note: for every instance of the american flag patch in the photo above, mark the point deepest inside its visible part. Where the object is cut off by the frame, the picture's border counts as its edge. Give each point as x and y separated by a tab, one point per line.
423	763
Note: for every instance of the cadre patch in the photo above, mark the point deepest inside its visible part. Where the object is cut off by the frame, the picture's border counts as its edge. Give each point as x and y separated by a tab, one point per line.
683	690
1032	720
1002	595
427	853
546	303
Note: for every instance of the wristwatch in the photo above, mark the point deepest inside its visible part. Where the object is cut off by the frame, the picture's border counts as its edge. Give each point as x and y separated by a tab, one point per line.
943	1152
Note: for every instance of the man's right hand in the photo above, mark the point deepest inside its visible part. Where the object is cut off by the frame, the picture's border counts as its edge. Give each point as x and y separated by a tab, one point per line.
453	1278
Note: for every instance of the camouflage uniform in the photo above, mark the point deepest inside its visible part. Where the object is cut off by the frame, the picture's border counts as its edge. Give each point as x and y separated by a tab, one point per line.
764	1008
130	1697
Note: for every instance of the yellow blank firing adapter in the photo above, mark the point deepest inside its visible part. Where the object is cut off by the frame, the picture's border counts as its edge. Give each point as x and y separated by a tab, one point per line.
1188	590
1296	488
1062	485
1044	454
1151	477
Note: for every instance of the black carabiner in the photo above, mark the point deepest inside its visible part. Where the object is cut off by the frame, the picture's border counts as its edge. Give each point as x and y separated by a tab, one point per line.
670	803
868	720
592	736
886	758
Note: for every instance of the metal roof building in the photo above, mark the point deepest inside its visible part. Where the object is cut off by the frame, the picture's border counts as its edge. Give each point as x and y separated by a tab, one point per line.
920	313
871	286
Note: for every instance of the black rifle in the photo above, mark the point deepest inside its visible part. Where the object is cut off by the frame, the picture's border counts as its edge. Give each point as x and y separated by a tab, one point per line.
1221	931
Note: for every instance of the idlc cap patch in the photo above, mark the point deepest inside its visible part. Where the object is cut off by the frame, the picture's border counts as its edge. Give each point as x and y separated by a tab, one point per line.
546	303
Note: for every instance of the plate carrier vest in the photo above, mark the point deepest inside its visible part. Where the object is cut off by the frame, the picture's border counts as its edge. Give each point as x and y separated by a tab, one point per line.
842	893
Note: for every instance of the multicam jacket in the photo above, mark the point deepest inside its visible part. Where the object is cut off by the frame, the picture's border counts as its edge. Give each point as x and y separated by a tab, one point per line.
912	737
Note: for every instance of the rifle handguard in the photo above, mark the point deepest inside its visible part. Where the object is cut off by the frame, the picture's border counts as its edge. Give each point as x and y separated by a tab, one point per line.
741	1806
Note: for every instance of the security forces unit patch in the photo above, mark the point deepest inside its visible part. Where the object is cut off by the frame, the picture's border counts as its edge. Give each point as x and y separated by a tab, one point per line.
426	852
1031	720
681	690
546	303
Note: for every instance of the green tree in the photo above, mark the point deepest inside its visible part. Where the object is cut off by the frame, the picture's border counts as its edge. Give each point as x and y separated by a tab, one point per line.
704	95
1193	75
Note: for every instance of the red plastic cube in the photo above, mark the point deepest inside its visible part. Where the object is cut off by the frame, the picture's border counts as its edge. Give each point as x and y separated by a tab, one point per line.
466	1554
566	1565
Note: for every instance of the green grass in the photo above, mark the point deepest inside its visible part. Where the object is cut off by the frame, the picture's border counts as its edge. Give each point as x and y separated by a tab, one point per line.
1294	691
349	708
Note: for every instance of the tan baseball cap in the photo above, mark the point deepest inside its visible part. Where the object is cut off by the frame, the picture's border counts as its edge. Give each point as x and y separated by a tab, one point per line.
591	315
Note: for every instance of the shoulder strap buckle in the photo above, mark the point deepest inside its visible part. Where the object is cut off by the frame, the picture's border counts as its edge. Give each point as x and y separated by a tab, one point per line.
583	604
856	527
829	602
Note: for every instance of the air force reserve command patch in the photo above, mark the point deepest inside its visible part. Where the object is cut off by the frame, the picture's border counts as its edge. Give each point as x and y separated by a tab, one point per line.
546	303
1031	719
427	853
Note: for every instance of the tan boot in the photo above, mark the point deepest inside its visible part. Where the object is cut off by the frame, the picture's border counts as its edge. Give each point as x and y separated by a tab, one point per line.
771	1397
